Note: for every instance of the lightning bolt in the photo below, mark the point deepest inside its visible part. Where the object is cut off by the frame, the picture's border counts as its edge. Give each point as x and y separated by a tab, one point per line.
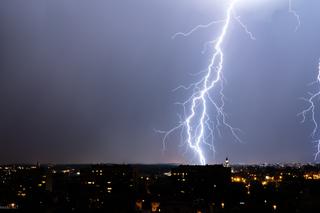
295	14
312	99
311	109
197	128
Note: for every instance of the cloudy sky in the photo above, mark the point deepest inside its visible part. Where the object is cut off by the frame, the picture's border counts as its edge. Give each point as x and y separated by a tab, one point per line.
90	81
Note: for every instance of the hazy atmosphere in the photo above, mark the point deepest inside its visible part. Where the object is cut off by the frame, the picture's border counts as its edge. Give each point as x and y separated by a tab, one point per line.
91	81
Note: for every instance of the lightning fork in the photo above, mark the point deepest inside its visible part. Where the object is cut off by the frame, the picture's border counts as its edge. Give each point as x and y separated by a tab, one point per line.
295	14
196	124
311	110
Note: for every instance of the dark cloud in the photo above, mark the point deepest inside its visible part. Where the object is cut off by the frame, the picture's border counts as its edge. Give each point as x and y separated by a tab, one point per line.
89	81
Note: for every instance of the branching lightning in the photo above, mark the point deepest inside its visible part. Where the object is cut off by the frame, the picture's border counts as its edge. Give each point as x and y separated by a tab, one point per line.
313	97
197	28
311	109
295	14
196	126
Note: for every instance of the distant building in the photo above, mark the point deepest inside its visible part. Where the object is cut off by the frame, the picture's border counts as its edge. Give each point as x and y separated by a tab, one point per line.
200	184
226	163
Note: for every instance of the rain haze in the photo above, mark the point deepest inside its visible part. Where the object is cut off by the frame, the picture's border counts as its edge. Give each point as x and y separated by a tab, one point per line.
91	81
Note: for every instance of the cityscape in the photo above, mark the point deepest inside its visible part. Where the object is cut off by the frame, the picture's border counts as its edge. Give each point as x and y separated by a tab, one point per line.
160	188
198	106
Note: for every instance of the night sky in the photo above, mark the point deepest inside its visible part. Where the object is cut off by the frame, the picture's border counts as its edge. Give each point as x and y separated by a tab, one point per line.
90	81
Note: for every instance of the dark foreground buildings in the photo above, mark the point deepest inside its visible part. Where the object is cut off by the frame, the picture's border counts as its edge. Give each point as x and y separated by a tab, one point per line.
159	188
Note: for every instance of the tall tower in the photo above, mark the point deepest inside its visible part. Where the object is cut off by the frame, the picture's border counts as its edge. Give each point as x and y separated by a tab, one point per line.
226	162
